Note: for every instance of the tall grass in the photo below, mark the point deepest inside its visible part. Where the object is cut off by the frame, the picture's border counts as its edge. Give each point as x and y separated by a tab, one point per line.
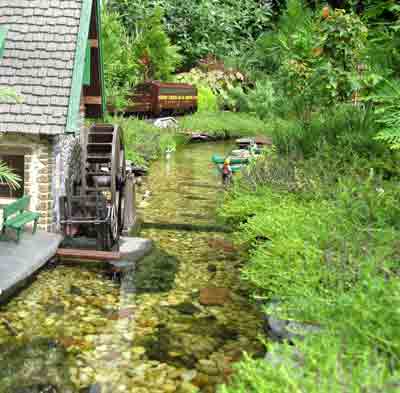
224	124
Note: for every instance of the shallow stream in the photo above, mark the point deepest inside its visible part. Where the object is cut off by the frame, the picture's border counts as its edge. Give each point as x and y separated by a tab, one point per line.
176	323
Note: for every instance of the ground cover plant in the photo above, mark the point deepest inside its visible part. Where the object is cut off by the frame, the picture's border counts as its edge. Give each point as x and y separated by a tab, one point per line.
323	239
223	124
318	214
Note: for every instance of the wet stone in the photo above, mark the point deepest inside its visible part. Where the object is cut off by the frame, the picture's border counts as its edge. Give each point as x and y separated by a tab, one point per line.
37	389
134	248
156	272
122	265
74	290
21	362
57	309
187	308
95	388
214	296
280	330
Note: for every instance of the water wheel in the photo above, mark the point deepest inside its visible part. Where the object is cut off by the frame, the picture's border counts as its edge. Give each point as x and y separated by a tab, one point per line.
104	172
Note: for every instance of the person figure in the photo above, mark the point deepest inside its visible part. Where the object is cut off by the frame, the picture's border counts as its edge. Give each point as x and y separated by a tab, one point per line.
226	172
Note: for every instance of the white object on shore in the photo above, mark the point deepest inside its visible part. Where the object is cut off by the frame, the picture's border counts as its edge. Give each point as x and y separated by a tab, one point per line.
166	122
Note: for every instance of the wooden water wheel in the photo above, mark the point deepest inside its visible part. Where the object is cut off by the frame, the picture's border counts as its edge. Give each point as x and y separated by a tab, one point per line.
97	202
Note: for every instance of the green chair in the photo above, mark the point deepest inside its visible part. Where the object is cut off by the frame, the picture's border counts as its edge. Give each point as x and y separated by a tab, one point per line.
16	215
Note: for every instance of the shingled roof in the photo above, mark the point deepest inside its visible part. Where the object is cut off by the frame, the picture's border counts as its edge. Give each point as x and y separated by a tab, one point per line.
38	63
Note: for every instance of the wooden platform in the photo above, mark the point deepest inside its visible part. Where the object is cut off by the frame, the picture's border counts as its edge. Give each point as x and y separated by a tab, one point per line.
88	255
18	262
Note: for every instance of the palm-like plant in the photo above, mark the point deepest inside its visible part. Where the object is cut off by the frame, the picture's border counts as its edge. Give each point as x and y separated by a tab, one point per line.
8	176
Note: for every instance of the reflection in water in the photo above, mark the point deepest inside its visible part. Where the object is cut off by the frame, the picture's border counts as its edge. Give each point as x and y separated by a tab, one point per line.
164	327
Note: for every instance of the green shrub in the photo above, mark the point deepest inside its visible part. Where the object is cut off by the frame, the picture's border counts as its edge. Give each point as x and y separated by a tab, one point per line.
343	126
221	82
207	101
157	57
322	237
202	27
120	65
223	124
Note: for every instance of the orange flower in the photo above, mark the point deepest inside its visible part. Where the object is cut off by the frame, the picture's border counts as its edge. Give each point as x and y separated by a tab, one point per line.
317	51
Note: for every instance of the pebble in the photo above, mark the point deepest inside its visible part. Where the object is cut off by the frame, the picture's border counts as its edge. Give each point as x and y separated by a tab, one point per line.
207	367
187	387
187	376
169	388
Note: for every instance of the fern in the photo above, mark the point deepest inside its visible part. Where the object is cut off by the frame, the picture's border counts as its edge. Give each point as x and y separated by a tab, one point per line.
388	112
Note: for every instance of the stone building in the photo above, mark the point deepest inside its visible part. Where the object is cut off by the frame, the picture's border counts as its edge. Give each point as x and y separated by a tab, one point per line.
51	57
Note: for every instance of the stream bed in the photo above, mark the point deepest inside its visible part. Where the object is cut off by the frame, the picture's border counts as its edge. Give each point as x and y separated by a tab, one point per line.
175	323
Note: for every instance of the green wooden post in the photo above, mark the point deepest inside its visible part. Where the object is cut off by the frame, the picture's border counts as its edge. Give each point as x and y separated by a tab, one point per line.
87	77
3	34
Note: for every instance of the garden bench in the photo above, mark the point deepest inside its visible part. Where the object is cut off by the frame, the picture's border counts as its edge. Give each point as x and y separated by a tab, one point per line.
16	216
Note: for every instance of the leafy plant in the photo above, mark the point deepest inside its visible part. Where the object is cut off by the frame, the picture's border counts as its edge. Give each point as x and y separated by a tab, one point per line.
223	124
8	176
157	57
200	28
219	82
207	100
321	235
388	110
120	65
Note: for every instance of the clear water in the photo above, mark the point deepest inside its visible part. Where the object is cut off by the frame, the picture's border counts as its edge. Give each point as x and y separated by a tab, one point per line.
76	330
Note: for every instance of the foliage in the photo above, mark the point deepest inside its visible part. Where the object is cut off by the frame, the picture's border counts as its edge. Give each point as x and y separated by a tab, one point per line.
207	100
220	81
319	214
341	125
223	124
143	141
260	100
203	27
120	64
388	111
129	59
327	367
157	58
322	237
8	176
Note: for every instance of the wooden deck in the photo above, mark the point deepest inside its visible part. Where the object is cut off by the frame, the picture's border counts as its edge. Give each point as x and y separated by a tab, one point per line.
18	262
88	255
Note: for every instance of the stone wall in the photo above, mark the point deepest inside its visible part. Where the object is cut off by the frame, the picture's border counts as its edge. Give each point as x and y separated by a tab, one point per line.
38	172
66	153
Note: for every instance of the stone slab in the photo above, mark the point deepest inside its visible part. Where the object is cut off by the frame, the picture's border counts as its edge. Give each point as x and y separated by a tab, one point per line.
18	262
134	248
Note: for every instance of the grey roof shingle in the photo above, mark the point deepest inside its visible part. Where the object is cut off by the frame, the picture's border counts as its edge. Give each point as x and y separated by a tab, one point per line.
38	63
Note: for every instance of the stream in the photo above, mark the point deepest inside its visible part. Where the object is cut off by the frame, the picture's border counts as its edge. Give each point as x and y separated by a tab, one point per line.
175	323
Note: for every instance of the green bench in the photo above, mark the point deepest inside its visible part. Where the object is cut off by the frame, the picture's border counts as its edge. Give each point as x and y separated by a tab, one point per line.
16	216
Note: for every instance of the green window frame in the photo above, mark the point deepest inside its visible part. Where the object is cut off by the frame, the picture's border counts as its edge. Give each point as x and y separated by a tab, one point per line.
3	34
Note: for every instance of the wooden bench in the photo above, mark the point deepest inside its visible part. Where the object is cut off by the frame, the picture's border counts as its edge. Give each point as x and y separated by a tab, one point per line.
16	216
